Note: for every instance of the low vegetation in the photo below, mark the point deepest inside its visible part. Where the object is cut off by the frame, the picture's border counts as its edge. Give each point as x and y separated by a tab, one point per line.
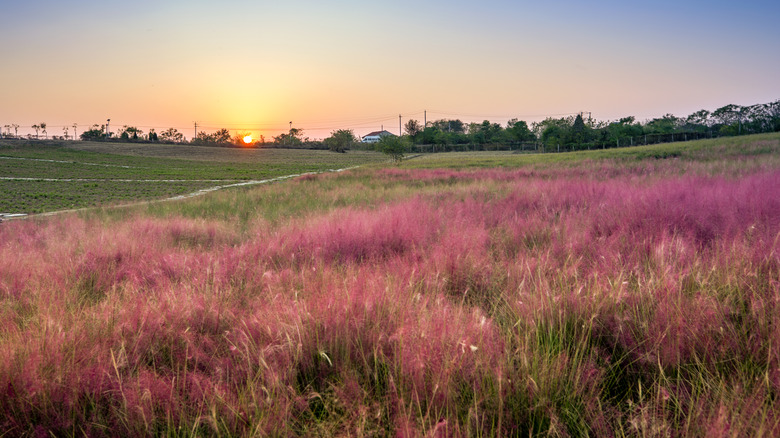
46	176
628	294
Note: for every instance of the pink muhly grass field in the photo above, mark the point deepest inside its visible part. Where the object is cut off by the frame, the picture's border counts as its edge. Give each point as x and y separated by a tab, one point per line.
515	303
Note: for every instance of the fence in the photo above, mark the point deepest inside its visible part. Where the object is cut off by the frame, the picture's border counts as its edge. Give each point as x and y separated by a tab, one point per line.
639	140
473	147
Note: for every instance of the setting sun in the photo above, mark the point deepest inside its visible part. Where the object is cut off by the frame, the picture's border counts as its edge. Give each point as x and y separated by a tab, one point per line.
248	139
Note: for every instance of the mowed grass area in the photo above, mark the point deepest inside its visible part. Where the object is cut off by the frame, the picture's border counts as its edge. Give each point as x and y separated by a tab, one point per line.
611	296
45	176
40	196
715	151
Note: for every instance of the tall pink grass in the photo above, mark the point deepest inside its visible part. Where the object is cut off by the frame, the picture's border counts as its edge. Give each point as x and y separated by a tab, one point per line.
507	302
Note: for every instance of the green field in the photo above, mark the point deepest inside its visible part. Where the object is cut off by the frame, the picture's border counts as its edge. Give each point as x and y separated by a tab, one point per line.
38	177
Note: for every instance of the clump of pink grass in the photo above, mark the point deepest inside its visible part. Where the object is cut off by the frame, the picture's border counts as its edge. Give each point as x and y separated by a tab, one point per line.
515	304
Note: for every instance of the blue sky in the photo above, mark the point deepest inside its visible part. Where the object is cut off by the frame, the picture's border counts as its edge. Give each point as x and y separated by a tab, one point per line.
326	65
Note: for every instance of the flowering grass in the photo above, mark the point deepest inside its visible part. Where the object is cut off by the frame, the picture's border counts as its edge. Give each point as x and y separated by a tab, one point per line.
605	298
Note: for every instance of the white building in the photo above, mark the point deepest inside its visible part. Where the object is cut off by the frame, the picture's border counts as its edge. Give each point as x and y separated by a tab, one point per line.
373	137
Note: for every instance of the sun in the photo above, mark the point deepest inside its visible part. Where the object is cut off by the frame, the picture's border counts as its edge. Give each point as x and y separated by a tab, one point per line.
248	139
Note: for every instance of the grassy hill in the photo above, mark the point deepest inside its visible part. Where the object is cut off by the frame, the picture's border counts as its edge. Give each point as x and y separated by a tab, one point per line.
612	293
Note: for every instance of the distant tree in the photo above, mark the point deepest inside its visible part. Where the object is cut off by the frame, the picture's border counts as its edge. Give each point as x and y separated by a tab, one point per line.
440	132
624	128
427	135
341	140
760	118
130	133
667	124
452	126
442	138
579	134
43	128
36	128
413	128
222	136
16	129
553	131
773	116
727	115
171	135
294	137
94	133
456	126
282	139
518	130
485	132
153	135
699	118
393	146
203	138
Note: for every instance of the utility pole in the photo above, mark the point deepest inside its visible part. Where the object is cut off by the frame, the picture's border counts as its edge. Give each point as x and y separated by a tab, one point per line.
425	119
400	133
196	131
108	131
75	133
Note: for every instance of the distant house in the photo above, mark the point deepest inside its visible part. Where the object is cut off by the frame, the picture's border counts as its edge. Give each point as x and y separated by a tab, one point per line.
374	137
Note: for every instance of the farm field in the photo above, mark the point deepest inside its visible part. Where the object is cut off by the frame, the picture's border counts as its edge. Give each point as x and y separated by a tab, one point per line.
629	292
37	177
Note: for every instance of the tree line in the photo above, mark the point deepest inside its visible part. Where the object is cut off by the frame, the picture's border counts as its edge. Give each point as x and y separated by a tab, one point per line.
574	132
170	135
577	132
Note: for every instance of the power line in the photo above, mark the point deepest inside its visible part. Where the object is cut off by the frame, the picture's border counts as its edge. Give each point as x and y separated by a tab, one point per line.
499	116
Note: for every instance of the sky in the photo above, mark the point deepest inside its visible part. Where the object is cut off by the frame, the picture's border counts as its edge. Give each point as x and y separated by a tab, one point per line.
258	65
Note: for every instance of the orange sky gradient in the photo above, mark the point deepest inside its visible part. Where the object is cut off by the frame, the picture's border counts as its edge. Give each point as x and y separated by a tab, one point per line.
256	66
